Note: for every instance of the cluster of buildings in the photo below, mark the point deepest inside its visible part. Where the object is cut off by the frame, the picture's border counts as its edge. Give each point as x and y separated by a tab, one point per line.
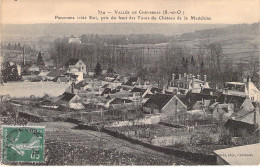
73	71
186	99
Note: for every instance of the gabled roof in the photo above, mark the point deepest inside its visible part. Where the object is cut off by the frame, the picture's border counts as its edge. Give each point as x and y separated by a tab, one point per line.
235	86
105	86
131	80
247	116
241	114
147	95
106	91
120	101
71	62
62	79
43	73
56	73
183	99
194	97
210	91
141	90
80	84
156	90
125	87
66	96
169	93
118	95
236	100
158	100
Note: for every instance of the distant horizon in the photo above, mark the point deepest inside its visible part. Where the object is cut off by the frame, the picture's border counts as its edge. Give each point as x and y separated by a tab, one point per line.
58	29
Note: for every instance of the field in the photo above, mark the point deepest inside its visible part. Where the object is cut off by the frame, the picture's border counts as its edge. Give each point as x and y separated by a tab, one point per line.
38	89
68	146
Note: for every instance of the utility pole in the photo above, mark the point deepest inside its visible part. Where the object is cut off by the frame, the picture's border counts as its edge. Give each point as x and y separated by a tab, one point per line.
23	56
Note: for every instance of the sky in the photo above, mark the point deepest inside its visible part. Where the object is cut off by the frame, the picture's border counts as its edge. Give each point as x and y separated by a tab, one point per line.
44	11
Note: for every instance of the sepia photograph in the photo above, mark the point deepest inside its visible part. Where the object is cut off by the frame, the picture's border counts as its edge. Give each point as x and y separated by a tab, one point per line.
164	82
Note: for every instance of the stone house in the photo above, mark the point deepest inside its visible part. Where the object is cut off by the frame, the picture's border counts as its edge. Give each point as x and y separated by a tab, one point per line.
168	106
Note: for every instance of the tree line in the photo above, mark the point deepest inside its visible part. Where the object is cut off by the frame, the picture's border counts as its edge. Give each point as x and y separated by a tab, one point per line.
154	63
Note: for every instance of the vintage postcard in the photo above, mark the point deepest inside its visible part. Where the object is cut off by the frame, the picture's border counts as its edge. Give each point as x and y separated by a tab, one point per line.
138	82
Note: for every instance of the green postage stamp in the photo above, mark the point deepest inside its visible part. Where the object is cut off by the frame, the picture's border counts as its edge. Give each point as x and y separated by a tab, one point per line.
23	144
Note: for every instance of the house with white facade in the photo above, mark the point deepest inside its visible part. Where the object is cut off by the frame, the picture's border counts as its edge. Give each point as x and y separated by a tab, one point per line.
187	83
76	65
247	89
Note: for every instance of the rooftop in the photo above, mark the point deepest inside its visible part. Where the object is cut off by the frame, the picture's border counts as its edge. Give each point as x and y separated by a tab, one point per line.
159	100
236	100
71	62
120	101
56	73
67	96
141	90
236	83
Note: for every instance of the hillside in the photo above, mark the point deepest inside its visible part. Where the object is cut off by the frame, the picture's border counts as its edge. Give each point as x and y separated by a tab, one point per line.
239	42
32	30
239	29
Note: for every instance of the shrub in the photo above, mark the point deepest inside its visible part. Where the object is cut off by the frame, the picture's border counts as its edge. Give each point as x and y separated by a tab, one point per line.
225	137
179	144
201	139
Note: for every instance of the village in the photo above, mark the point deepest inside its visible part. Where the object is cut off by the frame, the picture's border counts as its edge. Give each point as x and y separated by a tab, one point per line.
186	115
186	112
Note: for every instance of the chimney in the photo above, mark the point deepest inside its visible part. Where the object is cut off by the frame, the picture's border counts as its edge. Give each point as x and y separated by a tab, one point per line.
193	83
198	76
248	78
72	87
179	76
205	79
173	77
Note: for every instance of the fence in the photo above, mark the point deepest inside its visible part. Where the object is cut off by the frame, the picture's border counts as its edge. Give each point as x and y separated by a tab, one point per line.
170	140
150	120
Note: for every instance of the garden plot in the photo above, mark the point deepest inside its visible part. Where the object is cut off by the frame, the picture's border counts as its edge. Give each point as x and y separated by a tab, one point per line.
67	146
